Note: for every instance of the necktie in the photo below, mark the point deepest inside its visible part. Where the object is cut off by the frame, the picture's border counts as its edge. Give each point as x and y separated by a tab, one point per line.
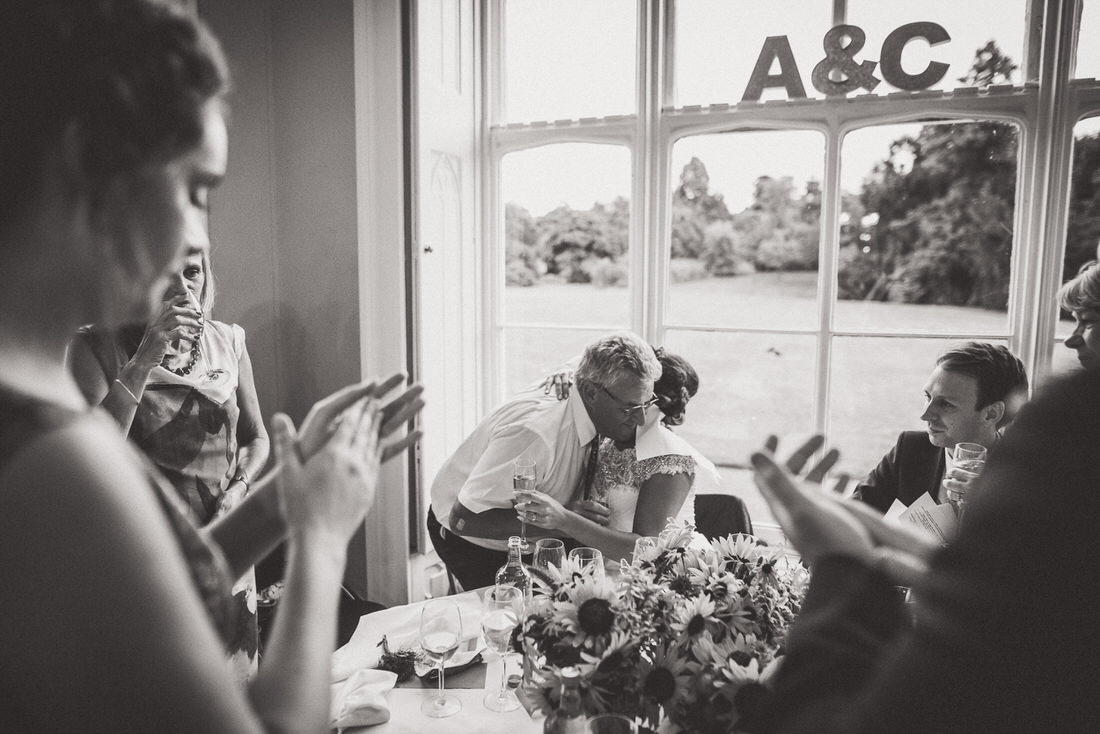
590	468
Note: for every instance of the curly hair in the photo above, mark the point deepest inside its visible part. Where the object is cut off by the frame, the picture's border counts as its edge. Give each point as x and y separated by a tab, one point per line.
130	78
615	356
677	385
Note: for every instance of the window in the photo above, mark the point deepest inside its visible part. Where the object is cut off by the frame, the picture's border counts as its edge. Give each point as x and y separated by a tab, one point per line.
809	251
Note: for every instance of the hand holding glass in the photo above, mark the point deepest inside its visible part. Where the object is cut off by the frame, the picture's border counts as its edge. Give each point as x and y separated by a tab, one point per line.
501	612
440	633
523	477
969	461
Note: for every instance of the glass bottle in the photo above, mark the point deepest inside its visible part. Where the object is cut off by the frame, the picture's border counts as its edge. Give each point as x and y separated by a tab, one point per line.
513	573
568	717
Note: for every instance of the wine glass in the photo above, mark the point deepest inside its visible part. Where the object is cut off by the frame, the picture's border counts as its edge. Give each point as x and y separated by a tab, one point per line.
548	552
589	557
645	549
440	633
501	611
523	478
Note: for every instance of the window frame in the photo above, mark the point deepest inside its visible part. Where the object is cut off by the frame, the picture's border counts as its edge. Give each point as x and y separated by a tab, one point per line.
1045	107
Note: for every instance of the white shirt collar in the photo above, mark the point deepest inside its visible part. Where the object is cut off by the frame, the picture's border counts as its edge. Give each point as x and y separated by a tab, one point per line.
586	429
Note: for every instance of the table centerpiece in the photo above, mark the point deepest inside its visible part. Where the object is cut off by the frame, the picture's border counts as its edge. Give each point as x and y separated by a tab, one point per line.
683	640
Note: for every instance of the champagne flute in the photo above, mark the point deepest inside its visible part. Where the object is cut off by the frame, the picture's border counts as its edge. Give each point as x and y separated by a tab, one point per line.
523	478
501	611
440	633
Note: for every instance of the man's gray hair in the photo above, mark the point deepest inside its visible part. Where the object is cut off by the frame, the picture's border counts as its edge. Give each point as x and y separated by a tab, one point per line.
618	355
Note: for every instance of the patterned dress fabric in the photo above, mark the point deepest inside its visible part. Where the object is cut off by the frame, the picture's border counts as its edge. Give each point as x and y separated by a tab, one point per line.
620	475
187	426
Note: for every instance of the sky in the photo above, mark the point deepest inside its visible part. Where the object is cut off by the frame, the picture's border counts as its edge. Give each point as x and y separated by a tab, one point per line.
717	42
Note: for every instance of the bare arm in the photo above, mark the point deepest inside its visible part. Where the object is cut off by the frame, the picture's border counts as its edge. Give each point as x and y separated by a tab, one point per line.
257	525
100	614
120	394
252	440
659	498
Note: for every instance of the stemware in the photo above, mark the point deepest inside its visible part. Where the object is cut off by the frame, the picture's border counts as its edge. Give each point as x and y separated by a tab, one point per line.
645	549
501	612
440	633
585	557
548	552
523	478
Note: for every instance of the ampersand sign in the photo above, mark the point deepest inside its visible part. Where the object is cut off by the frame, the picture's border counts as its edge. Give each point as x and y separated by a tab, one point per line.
842	58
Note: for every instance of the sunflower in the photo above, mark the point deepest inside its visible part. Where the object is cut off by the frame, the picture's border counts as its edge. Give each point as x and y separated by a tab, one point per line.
693	616
589	611
665	679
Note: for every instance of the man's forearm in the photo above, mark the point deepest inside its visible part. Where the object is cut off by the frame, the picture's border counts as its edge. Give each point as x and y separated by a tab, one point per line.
496	524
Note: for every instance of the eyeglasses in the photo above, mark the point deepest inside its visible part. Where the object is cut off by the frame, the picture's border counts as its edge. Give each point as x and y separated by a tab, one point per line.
630	411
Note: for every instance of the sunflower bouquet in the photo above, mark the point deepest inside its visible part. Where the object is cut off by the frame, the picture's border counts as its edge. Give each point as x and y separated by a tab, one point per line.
683	641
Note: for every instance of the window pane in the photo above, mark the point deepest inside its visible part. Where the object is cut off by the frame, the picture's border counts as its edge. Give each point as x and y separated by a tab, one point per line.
1088	51
972	25
926	230
532	354
876	392
717	43
1083	224
567	59
750	385
567	223
746	212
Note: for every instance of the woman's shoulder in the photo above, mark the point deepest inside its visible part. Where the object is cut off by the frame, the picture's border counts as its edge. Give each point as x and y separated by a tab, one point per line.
666	464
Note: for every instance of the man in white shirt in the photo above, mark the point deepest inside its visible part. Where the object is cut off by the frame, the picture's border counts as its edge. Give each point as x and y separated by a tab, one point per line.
471	513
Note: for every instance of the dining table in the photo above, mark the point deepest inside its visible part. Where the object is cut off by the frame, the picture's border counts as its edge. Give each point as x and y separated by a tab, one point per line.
470	685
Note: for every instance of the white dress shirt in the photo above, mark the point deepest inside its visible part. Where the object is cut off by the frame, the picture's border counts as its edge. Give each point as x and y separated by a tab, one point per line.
555	433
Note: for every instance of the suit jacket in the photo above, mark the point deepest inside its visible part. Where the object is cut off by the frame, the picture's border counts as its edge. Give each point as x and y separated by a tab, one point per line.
914	466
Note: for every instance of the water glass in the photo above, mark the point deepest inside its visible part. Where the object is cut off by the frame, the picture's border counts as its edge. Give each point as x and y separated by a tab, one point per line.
585	557
610	724
645	549
548	552
501	612
969	459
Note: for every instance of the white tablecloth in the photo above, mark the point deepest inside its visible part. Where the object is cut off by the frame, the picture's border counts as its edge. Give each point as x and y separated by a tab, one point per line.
404	703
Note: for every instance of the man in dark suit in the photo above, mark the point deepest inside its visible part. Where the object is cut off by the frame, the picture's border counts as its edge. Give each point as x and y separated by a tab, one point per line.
973	393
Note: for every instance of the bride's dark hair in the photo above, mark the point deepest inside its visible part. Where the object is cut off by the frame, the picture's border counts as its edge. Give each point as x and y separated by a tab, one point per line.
678	384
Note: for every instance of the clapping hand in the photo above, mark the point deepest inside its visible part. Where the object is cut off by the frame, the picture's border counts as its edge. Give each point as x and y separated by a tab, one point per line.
820	524
320	422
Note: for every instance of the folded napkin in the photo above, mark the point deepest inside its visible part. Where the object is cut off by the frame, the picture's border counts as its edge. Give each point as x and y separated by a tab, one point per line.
401	626
360	700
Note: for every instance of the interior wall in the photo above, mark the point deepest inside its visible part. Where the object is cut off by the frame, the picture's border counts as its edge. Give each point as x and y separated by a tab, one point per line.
285	224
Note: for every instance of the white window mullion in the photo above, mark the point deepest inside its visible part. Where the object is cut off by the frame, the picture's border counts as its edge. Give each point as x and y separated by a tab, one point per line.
826	276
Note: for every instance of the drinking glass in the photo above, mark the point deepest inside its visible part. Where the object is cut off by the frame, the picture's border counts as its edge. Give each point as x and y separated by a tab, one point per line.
440	633
970	460
501	611
610	724
548	552
588	557
523	477
645	549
